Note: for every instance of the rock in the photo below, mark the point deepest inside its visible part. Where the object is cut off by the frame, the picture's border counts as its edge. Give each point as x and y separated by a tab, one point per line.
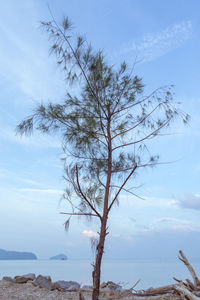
111	286
30	276
24	278
9	279
114	286
66	285
103	285
87	287
44	282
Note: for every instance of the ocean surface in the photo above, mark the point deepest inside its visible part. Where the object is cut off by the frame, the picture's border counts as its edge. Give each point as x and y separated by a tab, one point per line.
152	273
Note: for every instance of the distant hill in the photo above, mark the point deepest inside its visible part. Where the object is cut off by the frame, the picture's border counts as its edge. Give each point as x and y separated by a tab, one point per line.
59	257
4	254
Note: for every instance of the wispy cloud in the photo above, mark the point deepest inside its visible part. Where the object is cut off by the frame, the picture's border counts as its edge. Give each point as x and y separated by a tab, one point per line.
7	173
46	191
30	181
175	224
154	45
159	226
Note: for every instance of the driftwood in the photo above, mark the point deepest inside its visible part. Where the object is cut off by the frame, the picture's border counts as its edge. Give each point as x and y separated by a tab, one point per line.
184	292
181	290
190	268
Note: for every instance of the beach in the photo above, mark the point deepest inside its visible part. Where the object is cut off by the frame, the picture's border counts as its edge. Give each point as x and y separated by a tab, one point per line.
27	291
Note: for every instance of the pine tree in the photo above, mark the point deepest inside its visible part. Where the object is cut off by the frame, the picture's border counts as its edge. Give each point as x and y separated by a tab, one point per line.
106	127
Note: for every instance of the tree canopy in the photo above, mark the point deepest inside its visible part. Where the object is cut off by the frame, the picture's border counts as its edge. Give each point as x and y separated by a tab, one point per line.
106	127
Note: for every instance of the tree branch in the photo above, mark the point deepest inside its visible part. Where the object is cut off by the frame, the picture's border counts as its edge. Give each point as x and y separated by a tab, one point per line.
138	102
84	197
100	180
144	138
79	214
125	181
128	191
183	258
77	60
137	123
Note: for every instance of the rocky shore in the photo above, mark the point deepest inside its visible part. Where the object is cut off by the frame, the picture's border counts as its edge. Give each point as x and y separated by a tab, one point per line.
27	287
10	290
30	287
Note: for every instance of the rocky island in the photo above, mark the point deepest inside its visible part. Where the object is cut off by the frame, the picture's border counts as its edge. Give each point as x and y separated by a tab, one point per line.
12	255
59	257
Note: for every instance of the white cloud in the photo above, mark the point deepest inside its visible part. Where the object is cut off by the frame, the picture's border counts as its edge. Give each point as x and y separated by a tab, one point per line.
6	173
151	216
175	224
160	226
90	233
154	45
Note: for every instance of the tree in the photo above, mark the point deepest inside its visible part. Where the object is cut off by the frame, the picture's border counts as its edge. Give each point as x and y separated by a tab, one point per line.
105	126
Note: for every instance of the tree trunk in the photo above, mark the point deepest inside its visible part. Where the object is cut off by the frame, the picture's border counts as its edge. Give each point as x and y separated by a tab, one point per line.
100	247
97	267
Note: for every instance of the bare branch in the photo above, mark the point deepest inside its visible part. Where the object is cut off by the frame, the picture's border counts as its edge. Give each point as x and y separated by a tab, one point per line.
183	258
84	197
141	121
125	181
100	180
79	214
72	204
138	102
157	163
144	138
128	191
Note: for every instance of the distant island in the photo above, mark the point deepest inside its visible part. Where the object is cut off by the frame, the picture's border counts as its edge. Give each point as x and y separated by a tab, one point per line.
59	257
4	254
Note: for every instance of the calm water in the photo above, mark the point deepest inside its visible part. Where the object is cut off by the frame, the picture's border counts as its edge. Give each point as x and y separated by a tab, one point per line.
152	273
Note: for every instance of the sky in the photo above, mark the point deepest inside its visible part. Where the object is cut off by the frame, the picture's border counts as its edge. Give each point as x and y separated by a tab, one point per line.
164	37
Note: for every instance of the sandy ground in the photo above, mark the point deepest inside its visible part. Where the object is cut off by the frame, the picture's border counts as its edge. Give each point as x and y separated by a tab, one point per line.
27	291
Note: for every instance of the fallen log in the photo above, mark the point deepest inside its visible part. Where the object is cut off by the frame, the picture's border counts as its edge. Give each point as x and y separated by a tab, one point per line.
157	291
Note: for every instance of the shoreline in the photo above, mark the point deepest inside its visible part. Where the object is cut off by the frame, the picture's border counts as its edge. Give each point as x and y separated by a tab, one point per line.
28	291
128	271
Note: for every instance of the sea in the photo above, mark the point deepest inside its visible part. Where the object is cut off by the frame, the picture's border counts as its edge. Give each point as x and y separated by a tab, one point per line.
150	273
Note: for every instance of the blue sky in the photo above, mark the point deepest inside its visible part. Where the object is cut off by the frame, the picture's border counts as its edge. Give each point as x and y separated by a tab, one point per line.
164	36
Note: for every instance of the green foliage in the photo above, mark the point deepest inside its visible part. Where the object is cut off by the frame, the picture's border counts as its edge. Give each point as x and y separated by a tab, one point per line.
111	105
106	128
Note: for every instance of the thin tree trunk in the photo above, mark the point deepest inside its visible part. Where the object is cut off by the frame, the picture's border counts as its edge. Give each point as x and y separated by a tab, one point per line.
100	247
97	267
